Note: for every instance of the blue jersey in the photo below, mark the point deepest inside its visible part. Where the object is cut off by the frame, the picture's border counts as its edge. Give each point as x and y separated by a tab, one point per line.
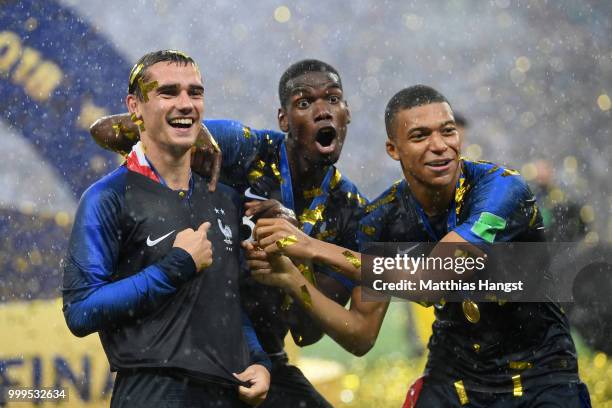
252	160
493	204
125	280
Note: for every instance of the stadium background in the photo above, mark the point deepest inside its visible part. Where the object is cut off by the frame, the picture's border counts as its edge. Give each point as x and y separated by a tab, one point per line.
533	77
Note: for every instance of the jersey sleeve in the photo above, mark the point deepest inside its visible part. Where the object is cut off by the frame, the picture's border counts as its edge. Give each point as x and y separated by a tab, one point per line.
239	144
500	207
93	299
256	352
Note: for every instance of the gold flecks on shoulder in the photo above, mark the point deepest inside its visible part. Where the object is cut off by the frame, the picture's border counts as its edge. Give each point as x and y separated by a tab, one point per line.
460	194
357	197
276	172
510	172
312	193
368	230
246	132
389	197
335	179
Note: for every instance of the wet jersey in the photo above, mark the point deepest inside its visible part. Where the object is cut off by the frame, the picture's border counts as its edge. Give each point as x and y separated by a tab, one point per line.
252	163
530	340
124	279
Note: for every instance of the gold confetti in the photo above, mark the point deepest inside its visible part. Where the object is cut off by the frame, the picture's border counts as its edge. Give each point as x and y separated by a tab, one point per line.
312	193
368	230
276	173
517	386
146	88
312	216
384	200
352	259
463	398
335	179
246	131
520	365
327	234
306	298
254	175
287	241
460	194
135	71
181	194
476	347
510	172
307	273
138	122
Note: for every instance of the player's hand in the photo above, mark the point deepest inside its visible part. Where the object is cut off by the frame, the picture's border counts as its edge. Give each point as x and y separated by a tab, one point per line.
273	270
258	377
269	209
256	258
279	236
196	244
206	157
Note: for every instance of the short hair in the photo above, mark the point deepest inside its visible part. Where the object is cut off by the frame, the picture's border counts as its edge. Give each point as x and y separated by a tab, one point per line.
139	70
298	69
411	97
461	120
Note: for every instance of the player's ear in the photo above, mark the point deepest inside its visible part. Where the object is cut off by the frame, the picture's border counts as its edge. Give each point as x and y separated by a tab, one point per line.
131	102
392	149
348	112
283	122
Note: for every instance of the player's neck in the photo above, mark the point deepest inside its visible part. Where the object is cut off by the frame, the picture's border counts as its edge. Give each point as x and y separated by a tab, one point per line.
304	175
434	200
171	164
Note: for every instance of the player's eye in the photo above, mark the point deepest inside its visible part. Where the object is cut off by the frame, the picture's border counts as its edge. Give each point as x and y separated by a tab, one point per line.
334	99
449	131
302	103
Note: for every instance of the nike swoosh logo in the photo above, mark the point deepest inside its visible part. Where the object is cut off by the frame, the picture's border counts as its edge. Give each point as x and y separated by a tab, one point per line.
406	251
249	194
158	240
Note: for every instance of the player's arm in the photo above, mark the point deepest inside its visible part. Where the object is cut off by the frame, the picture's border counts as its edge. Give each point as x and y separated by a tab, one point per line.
93	300
355	329
118	133
277	236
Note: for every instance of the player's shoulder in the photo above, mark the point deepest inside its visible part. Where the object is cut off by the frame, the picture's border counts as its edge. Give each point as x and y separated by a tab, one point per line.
494	177
110	186
387	200
348	189
104	199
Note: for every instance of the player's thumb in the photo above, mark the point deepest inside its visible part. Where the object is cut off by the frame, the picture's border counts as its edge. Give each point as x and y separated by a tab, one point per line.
204	227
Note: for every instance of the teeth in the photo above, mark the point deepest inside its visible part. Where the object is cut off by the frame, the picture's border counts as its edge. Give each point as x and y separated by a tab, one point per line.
182	121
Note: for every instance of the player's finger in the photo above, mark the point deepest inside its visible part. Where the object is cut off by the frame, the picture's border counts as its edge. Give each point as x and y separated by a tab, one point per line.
204	227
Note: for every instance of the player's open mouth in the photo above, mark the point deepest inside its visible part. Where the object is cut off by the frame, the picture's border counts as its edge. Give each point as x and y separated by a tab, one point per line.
181	123
439	165
326	139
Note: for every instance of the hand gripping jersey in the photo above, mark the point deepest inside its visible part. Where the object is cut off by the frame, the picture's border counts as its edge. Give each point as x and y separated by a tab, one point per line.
513	345
123	278
253	161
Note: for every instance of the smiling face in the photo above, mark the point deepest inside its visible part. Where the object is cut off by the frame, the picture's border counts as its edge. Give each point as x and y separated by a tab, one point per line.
316	117
424	139
174	108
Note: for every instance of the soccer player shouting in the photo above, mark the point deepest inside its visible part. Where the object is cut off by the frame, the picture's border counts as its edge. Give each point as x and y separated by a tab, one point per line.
296	168
480	355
